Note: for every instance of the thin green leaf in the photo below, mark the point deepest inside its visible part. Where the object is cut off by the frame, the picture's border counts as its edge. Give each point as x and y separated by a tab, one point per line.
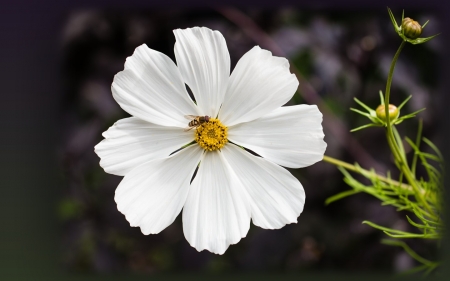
340	196
345	173
420	213
408	116
433	173
432	169
361	112
422	40
415	112
404	102
413	145
386	192
388	229
418	137
431	268
392	203
364	126
400	234
419	225
425	24
400	177
414	270
407	249
412	235
363	105
437	223
434	147
394	22
403	208
381	97
399	121
431	156
355	184
399	141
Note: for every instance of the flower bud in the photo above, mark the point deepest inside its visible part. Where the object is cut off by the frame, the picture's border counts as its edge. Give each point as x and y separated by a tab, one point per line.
411	28
393	112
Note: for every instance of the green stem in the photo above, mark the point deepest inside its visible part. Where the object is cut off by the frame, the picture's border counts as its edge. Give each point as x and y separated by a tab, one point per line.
387	94
364	172
401	162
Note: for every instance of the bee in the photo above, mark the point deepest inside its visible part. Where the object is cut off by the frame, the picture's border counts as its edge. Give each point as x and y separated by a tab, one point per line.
195	121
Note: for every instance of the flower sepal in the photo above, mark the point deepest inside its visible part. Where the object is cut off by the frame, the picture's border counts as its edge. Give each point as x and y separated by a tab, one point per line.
378	116
409	30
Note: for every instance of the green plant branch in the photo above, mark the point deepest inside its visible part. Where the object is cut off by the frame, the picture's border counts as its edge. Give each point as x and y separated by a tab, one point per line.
402	234
401	162
366	173
387	94
410	192
417	143
413	254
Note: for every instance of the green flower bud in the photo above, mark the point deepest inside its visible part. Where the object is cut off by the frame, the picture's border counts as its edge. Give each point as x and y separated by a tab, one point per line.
393	112
411	28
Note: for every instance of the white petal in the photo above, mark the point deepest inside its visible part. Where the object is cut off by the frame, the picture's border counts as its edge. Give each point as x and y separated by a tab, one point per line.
290	136
277	197
217	211
152	195
204	62
152	89
259	83
131	142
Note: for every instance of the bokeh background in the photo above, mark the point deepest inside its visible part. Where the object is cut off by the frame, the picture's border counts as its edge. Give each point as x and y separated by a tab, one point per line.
63	218
337	55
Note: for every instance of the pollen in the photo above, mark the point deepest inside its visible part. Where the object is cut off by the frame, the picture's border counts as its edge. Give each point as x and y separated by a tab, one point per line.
211	135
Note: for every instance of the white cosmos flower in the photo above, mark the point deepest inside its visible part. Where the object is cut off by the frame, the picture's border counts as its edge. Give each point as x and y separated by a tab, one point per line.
231	186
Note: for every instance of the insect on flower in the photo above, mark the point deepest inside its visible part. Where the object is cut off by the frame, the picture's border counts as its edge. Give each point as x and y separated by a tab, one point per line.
196	121
158	157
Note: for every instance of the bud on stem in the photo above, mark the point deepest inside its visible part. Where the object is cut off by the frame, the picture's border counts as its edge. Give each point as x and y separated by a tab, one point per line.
393	112
411	28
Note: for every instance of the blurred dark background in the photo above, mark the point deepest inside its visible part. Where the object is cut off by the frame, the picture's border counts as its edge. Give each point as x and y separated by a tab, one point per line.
58	214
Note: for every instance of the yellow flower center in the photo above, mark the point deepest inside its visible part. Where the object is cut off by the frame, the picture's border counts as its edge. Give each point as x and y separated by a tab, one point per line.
211	135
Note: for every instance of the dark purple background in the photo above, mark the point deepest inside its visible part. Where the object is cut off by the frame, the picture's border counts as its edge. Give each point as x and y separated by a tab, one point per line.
30	111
